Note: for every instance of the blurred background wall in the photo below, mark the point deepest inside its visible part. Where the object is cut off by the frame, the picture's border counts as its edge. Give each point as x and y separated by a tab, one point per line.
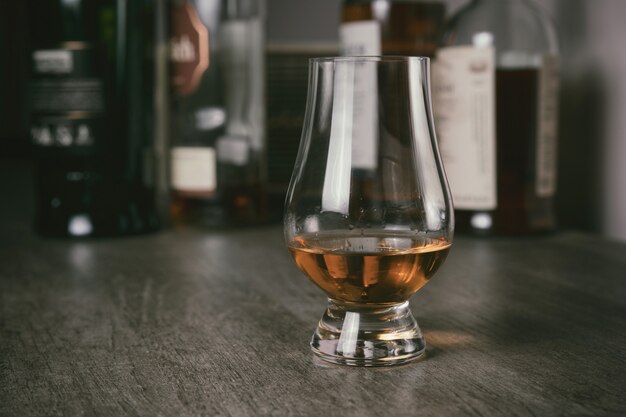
592	154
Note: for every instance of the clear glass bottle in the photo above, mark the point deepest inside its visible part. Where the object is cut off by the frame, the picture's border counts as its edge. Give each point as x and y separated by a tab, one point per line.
496	103
391	27
218	112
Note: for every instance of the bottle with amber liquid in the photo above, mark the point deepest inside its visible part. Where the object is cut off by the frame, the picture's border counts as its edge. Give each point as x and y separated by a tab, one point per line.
217	109
495	92
391	27
92	106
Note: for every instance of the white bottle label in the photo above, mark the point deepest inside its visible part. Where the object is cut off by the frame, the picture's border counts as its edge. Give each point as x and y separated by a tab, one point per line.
233	150
242	57
363	38
464	107
360	38
547	127
194	169
59	61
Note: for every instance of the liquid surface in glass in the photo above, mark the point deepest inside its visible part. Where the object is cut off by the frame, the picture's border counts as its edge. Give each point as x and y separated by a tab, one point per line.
368	267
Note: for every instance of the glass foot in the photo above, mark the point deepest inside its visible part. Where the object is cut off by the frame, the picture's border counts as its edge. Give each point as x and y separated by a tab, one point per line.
368	335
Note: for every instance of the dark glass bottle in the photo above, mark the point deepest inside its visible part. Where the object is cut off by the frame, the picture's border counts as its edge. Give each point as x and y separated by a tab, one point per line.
218	120
391	27
91	114
495	90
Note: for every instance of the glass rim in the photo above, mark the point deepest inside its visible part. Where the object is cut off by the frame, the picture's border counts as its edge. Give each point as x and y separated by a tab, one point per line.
369	58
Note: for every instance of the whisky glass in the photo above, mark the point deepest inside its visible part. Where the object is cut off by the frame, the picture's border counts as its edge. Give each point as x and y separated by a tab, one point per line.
368	213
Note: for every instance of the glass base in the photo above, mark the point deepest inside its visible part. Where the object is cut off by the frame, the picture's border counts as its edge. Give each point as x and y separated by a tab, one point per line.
368	335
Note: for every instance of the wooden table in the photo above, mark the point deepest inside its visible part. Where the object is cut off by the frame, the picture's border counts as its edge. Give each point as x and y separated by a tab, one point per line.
189	323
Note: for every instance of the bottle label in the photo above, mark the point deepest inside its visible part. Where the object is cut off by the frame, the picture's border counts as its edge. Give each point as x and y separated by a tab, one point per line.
360	38
189	48
57	61
66	98
363	38
194	170
464	107
547	127
233	150
241	60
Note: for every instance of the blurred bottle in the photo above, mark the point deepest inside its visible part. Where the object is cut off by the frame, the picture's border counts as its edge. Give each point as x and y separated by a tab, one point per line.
383	27
92	103
391	27
496	101
218	110
13	42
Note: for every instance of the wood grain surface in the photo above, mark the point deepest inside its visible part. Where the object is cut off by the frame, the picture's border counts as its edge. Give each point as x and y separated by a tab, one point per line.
197	323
